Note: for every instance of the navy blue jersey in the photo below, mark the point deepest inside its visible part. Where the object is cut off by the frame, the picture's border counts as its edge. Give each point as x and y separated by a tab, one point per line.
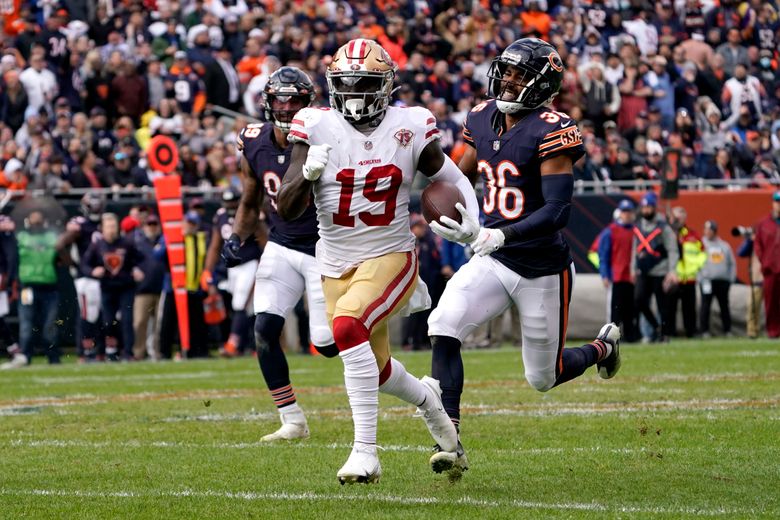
184	87
88	234
269	164
509	162
223	224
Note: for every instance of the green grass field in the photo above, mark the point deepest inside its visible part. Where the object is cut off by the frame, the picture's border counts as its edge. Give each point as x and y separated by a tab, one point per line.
686	430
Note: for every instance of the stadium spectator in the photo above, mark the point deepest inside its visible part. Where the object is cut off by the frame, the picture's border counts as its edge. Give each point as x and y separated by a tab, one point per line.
13	101
715	278
767	248
39	82
38	294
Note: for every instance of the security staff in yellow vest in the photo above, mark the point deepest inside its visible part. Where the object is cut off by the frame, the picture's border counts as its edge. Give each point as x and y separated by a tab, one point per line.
692	258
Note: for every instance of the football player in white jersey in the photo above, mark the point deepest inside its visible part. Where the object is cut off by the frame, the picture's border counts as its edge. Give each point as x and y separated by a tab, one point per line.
359	159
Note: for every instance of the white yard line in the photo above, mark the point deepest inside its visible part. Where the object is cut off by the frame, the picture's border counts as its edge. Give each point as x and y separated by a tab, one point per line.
380	498
134	444
541	409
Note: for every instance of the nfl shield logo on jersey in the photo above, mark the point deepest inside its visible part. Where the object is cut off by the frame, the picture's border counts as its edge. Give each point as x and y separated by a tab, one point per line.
280	159
496	145
404	137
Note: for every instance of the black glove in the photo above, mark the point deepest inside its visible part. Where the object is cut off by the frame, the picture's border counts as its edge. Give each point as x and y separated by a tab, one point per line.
230	251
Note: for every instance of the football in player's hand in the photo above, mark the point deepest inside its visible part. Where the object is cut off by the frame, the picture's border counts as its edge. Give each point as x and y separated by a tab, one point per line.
438	199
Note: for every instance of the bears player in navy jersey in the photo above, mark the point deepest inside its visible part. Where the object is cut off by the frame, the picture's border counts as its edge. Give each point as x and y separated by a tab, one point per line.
287	266
80	233
240	278
524	152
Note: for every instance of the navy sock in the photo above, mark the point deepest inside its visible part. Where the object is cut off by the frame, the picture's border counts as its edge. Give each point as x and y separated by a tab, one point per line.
577	360
447	367
270	356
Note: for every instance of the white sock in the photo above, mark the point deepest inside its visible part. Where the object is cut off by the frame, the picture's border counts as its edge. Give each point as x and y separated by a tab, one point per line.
291	410
361	377
403	385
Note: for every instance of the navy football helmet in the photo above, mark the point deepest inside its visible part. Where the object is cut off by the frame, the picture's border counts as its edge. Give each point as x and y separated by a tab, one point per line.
542	73
288	90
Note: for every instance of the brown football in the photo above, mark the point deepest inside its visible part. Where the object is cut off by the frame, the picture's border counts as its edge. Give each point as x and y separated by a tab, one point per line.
438	199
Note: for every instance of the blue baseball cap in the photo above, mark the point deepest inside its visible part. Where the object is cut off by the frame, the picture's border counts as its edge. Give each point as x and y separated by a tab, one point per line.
626	205
650	199
192	217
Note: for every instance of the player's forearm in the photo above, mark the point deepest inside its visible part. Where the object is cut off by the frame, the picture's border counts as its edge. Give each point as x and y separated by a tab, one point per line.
557	191
293	198
247	215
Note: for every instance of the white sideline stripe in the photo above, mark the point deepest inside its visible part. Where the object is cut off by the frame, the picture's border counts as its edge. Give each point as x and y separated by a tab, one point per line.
368	498
133	444
542	409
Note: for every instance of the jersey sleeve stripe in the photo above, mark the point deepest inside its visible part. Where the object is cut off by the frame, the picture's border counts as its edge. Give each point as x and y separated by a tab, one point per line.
570	145
431	133
558	132
301	135
297	122
430	121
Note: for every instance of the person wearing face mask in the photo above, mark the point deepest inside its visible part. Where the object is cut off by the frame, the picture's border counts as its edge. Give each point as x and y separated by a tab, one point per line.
656	256
147	292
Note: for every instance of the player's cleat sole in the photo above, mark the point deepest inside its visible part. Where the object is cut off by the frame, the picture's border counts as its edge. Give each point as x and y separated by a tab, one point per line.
610	333
436	419
448	461
362	467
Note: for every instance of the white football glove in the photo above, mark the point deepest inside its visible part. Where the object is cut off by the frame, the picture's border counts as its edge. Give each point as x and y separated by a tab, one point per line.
488	241
316	161
449	229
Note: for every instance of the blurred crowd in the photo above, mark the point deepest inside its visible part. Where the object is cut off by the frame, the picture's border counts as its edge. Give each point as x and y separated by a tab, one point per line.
85	84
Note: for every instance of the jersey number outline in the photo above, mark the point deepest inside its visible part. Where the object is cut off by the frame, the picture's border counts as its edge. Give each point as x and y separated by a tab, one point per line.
372	193
272	182
497	193
252	130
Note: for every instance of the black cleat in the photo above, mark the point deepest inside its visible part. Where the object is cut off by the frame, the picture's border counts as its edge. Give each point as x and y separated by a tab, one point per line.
449	461
610	333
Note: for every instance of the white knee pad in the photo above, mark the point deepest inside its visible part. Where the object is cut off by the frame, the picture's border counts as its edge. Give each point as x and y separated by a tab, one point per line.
540	381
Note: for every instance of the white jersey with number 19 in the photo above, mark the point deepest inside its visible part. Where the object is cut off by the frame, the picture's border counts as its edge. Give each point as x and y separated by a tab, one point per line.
362	197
